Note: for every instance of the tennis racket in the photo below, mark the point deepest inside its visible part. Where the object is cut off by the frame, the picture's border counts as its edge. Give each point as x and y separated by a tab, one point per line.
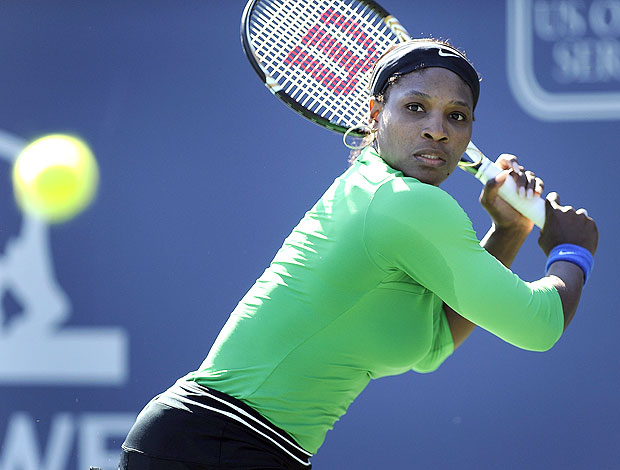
317	55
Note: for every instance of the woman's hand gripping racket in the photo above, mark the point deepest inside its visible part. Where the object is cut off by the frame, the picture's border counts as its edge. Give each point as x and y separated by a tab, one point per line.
316	56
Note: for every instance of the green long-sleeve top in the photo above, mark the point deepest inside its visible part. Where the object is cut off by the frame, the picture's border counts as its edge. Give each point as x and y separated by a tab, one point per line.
356	293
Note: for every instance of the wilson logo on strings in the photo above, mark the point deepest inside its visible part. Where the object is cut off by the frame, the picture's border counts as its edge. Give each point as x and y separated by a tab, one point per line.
338	68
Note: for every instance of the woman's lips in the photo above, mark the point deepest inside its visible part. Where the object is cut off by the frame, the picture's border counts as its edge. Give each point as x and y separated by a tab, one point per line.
429	159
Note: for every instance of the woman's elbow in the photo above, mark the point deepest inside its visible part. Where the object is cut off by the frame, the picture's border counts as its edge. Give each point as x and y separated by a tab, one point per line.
540	342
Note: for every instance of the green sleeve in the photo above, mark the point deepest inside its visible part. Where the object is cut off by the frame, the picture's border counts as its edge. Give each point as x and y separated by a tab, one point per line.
421	230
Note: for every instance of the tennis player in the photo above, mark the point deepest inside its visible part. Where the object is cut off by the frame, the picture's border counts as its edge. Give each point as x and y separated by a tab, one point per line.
375	280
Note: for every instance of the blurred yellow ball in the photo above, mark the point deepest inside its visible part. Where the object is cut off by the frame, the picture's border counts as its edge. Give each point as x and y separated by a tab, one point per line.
55	178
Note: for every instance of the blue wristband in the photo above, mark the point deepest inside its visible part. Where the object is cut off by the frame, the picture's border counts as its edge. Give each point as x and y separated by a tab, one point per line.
573	254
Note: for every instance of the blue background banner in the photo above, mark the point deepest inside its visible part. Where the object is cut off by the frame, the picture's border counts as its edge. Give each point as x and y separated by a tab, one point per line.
203	174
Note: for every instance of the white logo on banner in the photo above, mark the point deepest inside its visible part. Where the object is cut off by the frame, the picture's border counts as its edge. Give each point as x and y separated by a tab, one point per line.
88	435
583	40
35	349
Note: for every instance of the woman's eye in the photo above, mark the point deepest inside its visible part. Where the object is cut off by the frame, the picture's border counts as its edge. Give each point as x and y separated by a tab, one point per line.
415	107
458	116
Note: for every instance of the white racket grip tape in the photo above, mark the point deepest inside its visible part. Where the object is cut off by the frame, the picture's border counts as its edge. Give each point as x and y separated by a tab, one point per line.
531	207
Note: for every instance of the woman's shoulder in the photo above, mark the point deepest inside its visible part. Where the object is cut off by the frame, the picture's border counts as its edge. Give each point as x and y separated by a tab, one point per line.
407	205
414	193
390	191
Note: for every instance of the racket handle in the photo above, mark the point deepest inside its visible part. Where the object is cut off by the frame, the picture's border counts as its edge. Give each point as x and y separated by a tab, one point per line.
531	207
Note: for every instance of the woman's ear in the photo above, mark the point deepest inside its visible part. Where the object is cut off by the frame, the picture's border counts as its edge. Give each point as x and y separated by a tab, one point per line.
375	109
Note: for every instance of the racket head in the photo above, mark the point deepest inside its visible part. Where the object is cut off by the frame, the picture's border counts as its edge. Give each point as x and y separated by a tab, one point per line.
316	56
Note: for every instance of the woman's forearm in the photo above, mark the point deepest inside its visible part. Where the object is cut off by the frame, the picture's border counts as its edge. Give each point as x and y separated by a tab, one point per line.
568	280
504	243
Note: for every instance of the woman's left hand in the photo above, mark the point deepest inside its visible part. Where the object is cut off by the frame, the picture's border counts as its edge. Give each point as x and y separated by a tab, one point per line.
503	215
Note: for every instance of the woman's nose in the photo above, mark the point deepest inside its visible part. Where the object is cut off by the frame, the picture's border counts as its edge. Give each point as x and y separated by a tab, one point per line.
435	129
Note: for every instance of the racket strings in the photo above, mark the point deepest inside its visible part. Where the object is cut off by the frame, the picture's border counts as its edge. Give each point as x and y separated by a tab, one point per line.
320	54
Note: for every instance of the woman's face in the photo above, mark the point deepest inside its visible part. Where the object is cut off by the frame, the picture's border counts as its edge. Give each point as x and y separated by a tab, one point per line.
425	124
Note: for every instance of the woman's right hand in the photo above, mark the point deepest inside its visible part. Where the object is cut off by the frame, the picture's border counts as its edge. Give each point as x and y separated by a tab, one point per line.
563	224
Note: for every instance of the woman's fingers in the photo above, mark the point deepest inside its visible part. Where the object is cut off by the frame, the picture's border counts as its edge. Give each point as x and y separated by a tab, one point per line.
540	186
528	184
506	161
582	211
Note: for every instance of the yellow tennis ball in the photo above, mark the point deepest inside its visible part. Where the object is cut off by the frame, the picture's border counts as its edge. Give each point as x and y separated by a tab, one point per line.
55	177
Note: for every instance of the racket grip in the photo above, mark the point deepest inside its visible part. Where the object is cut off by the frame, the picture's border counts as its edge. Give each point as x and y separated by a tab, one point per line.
531	207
